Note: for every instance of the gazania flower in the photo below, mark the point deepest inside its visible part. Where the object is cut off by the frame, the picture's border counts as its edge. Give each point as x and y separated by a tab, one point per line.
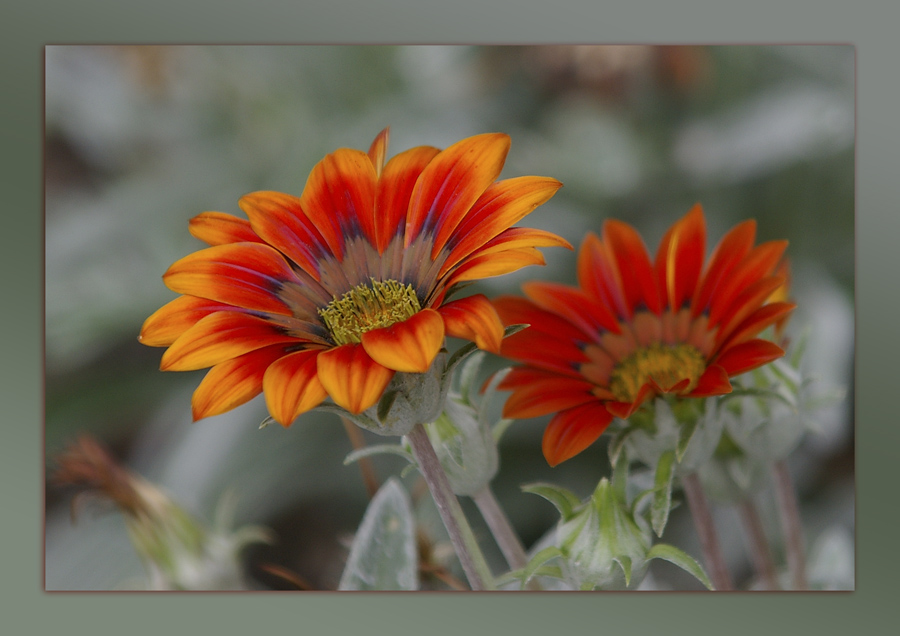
334	292
636	328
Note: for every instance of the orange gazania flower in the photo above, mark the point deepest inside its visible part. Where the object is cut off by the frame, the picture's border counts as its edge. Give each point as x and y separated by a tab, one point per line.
636	328
332	293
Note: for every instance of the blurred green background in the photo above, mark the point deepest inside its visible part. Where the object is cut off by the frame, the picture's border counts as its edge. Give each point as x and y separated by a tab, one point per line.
141	138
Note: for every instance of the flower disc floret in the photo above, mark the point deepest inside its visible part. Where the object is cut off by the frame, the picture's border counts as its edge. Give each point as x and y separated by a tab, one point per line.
366	307
664	365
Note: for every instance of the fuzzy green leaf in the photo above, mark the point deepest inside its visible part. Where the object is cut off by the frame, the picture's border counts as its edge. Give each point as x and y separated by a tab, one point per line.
564	500
681	559
378	449
662	492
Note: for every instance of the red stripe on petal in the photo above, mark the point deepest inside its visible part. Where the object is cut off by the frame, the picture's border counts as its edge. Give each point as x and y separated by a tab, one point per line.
279	219
232	383
219	228
409	346
748	356
246	275
394	188
450	185
353	380
473	318
573	430
219	337
291	386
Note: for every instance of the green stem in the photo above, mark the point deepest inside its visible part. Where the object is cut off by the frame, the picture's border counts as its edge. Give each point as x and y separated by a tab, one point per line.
461	536
759	545
790	524
500	527
706	532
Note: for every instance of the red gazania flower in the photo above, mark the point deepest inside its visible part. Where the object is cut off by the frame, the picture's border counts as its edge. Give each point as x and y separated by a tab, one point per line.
332	293
636	328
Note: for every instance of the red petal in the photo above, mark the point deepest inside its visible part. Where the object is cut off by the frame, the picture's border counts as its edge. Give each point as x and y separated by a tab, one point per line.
219	337
733	247
409	346
547	396
279	219
758	264
393	191
378	150
171	320
573	304
450	185
219	228
502	205
760	319
633	264
748	355
352	379
291	386
680	258
599	276
748	301
544	351
515	310
247	275
473	318
573	430
714	381
339	198
233	382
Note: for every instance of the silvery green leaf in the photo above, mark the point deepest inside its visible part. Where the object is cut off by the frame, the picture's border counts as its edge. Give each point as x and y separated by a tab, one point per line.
662	492
378	449
564	500
383	555
681	559
538	561
468	374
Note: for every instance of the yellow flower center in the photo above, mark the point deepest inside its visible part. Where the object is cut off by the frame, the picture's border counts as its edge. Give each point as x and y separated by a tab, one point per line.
367	307
667	365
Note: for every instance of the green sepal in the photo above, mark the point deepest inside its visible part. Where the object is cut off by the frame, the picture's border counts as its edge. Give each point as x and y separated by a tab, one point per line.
563	499
385	403
624	562
681	559
662	492
538	562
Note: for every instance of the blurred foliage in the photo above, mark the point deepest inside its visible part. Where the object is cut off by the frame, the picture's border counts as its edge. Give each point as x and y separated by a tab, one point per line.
141	138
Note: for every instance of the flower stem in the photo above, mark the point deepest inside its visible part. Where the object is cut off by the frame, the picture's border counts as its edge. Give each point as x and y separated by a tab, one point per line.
759	545
706	531
500	527
790	524
464	542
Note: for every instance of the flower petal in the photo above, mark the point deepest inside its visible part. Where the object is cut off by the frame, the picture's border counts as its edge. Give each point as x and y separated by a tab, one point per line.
378	150
632	261
573	304
409	346
543	396
279	219
167	323
353	380
714	381
515	310
679	259
450	185
219	228
573	430
233	382
729	252
291	386
394	188
502	205
247	275
339	198
473	318
221	336
759	263
760	319
495	265
748	355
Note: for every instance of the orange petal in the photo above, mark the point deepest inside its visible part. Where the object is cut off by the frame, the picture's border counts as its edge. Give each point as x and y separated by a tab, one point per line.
394	188
171	320
353	380
633	264
473	318
378	150
714	381
495	265
541	397
450	185
573	430
219	337
233	382
502	205
247	275
339	198
748	355
409	346
219	228
679	259
279	219
291	386
599	276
